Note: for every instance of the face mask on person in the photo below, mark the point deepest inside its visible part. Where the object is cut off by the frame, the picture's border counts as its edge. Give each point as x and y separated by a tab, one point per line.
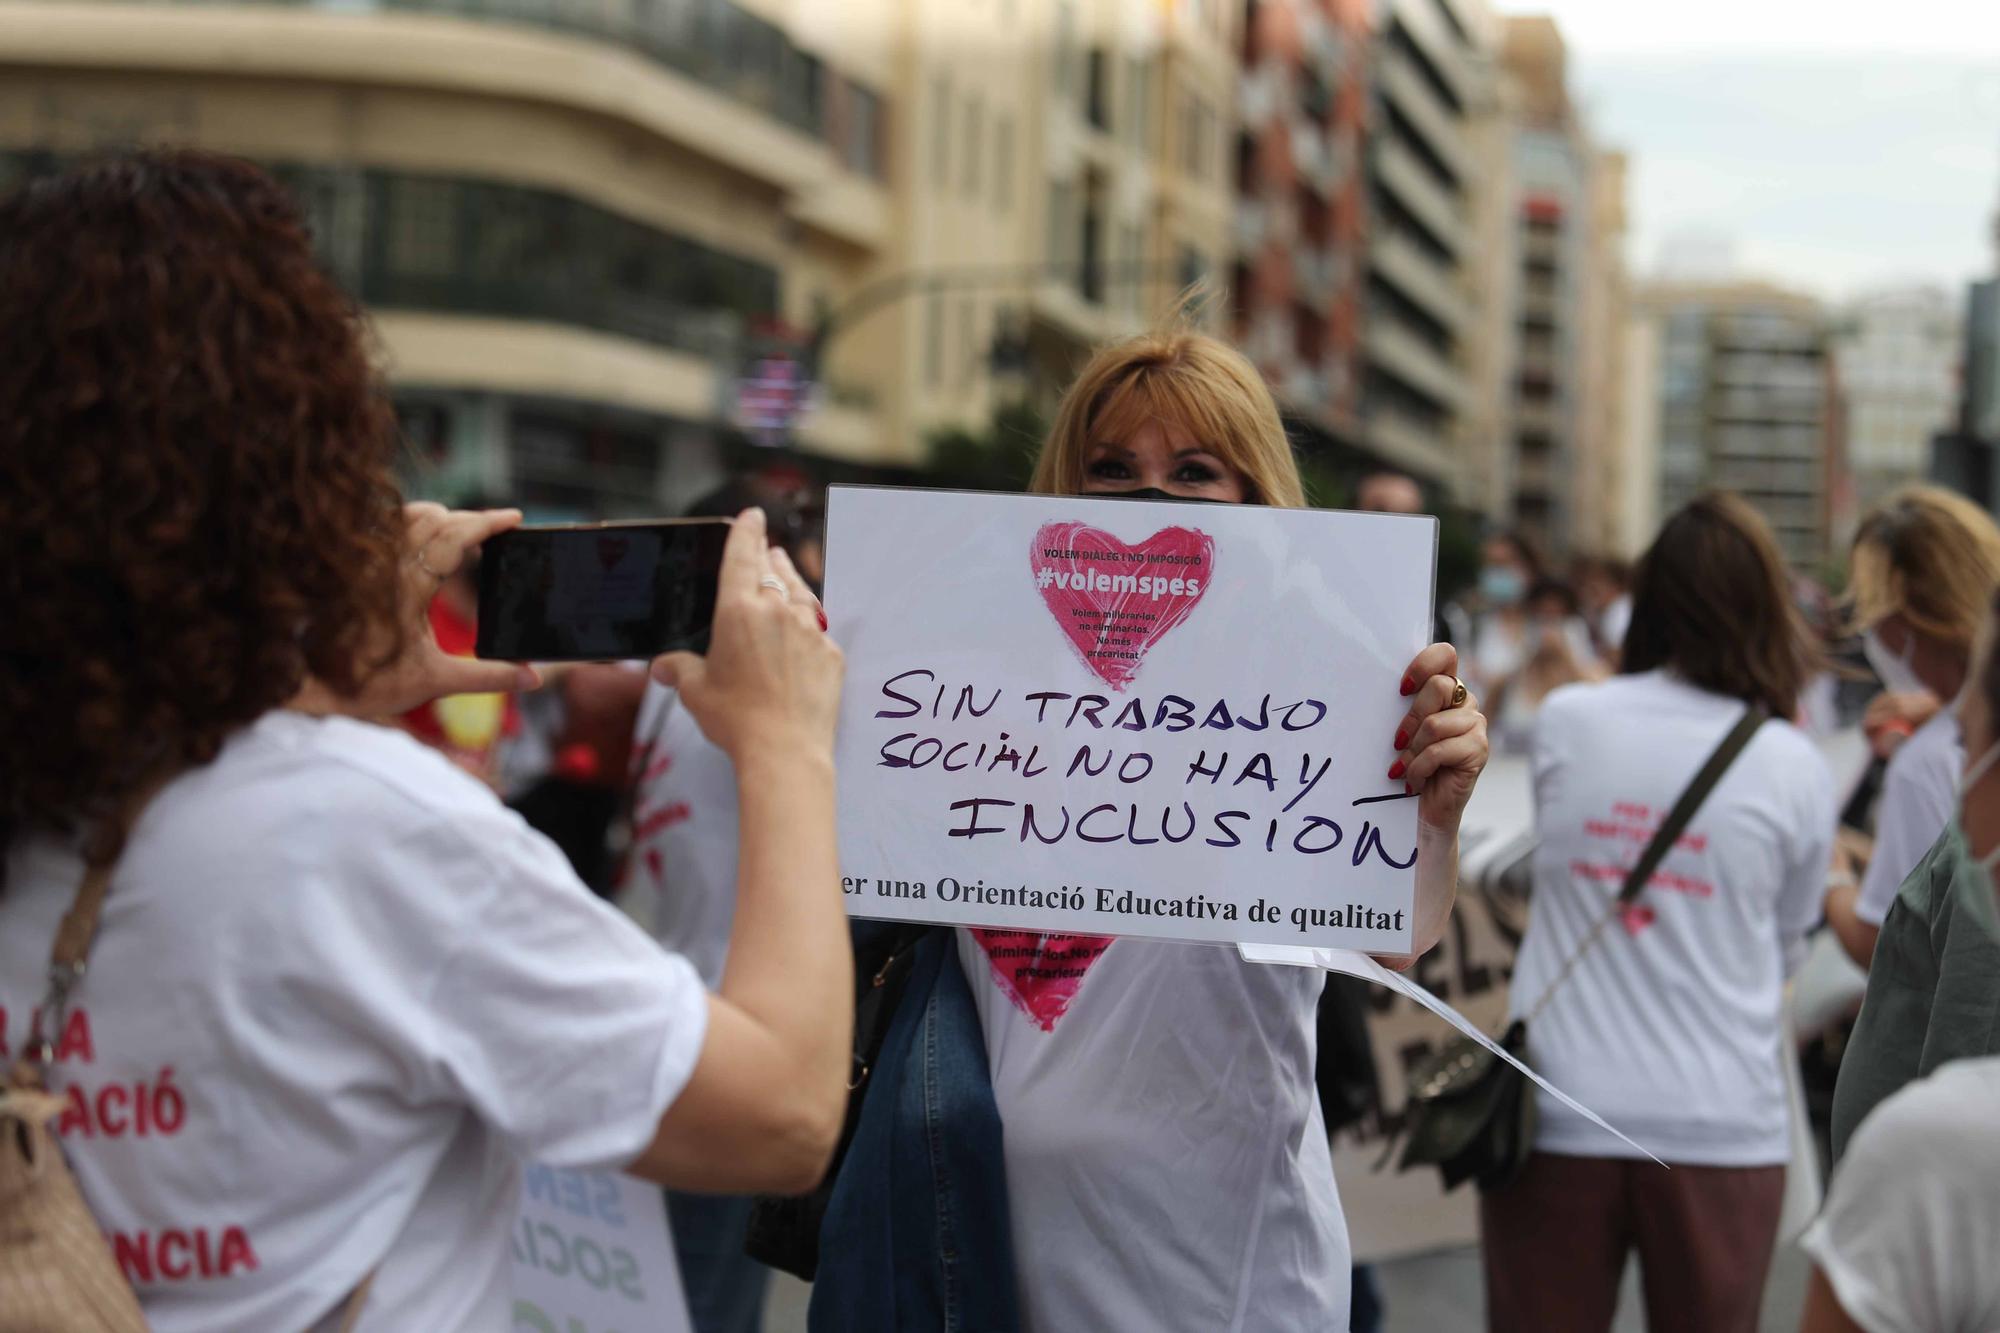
1980	768
1153	493
1502	586
1898	676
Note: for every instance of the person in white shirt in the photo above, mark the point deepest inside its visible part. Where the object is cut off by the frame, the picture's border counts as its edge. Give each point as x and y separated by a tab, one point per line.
1907	1238
1925	564
338	994
1166	1158
1668	1025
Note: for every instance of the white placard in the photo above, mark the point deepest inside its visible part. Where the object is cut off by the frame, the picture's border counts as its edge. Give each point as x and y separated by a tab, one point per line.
592	1254
1123	717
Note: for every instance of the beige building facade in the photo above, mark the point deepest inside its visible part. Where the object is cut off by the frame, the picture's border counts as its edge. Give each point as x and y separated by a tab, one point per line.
577	222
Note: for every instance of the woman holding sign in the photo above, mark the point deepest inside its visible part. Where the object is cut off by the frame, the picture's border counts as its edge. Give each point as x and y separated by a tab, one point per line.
1166	1163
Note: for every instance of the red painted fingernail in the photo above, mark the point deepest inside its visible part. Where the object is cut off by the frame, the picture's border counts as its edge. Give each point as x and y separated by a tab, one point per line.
1402	739
1409	686
821	613
1395	770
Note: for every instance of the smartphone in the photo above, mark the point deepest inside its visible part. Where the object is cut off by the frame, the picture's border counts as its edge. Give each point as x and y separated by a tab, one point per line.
597	592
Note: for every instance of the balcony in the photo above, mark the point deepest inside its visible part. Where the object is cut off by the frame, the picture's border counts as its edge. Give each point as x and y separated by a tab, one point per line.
1251	226
1414	448
1421	106
1430	203
1417	364
1414	272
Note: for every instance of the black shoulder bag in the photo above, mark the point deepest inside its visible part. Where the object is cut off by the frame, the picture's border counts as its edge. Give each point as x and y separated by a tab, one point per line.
1471	1114
784	1229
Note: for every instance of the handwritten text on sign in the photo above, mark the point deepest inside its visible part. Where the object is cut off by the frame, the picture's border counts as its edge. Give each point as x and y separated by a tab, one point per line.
1126	717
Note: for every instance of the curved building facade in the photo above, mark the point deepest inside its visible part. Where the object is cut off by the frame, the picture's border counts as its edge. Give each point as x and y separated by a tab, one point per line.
570	219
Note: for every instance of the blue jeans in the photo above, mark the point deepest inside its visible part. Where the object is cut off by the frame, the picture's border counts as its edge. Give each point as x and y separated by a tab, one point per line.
917	1236
725	1287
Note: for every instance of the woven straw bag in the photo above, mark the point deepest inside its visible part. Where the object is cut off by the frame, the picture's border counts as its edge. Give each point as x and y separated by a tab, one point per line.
57	1274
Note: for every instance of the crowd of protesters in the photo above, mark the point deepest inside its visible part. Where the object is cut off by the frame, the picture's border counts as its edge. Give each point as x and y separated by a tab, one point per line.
238	700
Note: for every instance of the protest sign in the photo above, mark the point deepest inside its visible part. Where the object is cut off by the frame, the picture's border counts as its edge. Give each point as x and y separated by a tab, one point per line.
592	1255
1120	717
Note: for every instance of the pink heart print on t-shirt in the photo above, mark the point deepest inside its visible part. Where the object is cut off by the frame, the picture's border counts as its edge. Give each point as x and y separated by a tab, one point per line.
1116	601
1040	973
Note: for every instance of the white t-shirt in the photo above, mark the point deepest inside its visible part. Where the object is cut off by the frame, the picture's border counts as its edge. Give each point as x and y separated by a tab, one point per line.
1167	1162
338	994
1912	1225
1918	789
684	832
1669	1027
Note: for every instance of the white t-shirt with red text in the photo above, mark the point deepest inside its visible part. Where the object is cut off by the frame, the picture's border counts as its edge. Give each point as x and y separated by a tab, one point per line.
1669	1027
1167	1161
684	832
338	995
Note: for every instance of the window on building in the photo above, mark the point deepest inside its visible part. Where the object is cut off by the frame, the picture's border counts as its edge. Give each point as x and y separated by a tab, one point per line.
1308	334
1003	163
1133	280
1091	241
1197	129
940	130
1139	101
975	141
1097	88
1193	266
934	340
970	354
423	231
1064	53
864	131
1061	231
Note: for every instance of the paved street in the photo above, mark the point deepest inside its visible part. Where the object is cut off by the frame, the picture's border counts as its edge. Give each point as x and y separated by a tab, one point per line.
1436	1293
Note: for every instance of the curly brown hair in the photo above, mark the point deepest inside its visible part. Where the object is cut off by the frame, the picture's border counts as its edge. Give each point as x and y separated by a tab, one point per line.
197	504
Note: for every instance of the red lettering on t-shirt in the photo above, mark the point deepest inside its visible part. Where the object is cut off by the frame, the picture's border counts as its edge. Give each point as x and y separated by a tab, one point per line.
75	1043
177	1254
664	818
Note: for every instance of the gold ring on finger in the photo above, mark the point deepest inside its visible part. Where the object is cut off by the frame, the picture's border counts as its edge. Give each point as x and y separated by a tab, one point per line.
1458	695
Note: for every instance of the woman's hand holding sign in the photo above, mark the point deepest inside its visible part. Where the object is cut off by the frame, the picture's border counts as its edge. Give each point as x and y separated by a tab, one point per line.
1442	738
1442	745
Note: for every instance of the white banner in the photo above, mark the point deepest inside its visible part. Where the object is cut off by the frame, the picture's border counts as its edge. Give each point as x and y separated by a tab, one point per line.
1119	717
592	1254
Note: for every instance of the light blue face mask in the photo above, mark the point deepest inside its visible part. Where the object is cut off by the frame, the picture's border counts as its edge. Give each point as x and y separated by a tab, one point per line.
1501	586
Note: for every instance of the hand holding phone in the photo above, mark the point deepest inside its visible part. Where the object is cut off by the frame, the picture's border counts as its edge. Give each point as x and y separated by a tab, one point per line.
594	592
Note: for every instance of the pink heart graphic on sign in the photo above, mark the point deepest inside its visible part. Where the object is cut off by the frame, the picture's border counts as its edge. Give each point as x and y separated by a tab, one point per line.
1040	973
1115	601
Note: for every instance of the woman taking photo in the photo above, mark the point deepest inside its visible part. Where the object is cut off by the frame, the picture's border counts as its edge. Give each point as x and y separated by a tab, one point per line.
1666	1023
1925	565
337	993
1166	1163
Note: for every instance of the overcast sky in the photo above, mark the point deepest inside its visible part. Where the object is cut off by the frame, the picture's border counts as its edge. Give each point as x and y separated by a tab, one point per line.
1832	144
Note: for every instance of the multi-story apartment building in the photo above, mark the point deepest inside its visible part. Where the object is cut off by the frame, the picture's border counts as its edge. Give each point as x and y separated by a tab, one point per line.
1301	206
1556	236
1745	404
567	219
1432	82
1898	354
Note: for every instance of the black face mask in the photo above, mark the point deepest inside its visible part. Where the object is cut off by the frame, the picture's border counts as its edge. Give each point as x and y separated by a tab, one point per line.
1153	493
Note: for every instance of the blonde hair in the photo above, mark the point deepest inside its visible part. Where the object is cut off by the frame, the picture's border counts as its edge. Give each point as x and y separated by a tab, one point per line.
1932	557
1190	379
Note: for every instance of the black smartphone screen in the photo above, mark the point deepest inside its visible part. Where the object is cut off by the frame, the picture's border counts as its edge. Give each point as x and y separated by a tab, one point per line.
592	592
